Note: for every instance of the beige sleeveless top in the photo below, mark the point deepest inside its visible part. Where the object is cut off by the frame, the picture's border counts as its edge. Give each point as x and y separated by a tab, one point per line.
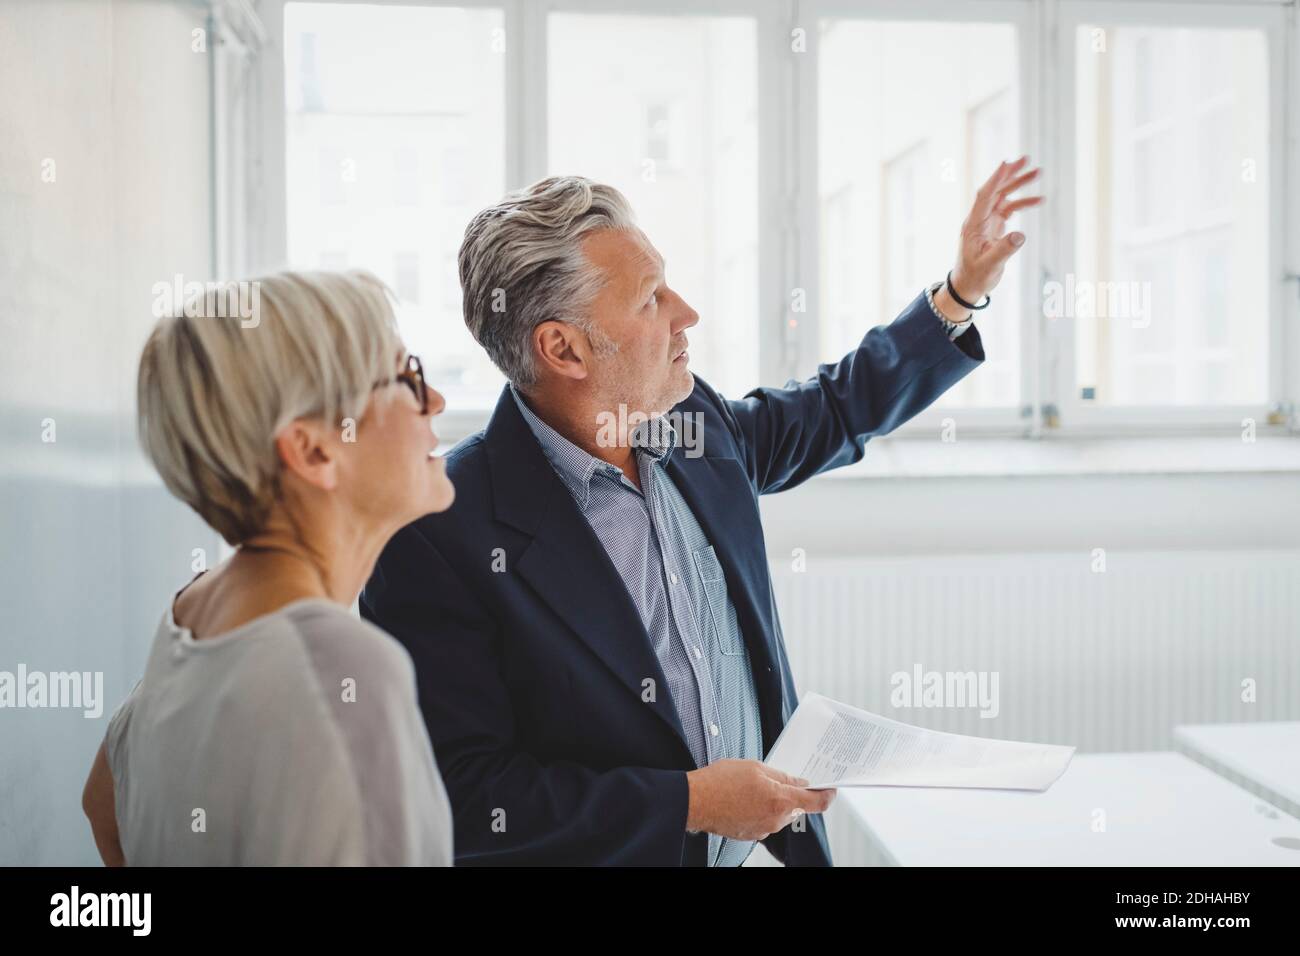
295	739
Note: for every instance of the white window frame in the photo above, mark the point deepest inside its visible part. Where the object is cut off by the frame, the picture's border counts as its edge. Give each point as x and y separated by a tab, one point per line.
1080	417
788	212
775	228
1023	15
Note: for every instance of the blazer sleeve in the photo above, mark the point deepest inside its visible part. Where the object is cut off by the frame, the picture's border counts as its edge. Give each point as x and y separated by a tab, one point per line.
508	807
790	434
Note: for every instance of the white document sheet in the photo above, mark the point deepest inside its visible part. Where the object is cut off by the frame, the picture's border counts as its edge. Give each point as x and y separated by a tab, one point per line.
830	744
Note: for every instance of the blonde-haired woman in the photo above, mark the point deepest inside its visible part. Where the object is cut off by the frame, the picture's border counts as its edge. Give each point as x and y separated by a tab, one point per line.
271	725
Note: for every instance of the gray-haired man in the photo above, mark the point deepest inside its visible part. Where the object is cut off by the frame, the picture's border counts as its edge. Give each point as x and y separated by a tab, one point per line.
600	663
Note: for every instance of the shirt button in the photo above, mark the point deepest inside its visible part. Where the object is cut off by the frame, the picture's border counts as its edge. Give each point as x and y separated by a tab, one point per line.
698	653
713	729
673	577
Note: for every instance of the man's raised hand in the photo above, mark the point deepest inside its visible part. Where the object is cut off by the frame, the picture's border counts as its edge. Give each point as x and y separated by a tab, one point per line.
985	244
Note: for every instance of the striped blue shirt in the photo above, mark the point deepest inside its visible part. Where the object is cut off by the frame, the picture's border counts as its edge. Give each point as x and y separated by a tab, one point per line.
673	577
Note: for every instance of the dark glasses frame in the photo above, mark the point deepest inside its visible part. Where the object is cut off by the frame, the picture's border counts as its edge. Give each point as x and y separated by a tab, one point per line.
413	378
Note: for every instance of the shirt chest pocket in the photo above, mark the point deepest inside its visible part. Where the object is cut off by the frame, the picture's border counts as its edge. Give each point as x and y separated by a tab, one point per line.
716	615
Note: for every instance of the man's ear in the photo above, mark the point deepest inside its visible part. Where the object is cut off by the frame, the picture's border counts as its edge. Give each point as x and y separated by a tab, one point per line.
562	348
306	450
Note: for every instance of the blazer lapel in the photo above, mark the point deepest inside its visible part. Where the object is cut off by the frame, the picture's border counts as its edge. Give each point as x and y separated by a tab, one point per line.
566	564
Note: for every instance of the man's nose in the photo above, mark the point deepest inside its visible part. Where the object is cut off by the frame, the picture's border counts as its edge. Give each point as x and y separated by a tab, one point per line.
685	317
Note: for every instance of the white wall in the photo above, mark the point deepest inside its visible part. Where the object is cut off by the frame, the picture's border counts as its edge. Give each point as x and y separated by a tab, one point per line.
1006	522
844	517
112	93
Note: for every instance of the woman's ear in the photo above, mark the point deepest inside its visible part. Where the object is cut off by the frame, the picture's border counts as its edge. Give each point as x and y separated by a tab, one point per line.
307	450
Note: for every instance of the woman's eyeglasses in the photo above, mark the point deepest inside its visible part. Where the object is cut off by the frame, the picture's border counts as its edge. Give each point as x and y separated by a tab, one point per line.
413	378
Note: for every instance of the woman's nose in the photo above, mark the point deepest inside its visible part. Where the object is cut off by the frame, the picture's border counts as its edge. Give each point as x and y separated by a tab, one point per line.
436	402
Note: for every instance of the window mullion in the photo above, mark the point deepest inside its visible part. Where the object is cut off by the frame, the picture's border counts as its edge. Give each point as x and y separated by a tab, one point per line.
527	88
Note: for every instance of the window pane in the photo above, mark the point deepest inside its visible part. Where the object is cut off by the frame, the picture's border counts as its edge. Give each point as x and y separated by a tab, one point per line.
899	164
1172	217
665	110
395	138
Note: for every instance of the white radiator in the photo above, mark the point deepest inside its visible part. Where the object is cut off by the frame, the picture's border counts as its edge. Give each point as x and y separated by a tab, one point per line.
1105	661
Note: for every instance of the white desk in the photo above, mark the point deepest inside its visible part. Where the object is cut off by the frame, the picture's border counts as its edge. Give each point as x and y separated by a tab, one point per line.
1263	758
1161	809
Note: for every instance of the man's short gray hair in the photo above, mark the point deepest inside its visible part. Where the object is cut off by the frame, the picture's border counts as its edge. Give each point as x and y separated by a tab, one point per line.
521	264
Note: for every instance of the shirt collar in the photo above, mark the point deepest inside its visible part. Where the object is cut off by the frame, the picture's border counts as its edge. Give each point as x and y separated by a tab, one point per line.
655	439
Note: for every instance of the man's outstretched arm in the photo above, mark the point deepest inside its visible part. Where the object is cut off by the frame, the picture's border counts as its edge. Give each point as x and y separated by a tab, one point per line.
792	433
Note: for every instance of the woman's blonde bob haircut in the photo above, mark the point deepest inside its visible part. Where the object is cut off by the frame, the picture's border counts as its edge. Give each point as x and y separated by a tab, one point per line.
215	388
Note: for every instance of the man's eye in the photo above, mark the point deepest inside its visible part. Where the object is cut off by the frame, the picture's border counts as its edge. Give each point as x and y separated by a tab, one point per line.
654	297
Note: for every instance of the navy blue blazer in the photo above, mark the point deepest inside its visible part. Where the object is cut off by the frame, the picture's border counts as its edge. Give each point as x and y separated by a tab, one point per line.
530	654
